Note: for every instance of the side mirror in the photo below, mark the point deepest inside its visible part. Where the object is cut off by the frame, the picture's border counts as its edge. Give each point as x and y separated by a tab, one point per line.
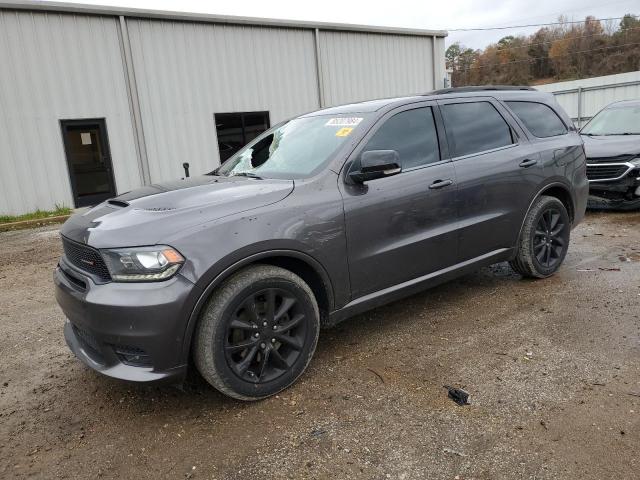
377	164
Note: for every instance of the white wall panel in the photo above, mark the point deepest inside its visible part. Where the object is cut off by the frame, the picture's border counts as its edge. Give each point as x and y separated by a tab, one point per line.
363	66
52	67
597	93
59	64
186	72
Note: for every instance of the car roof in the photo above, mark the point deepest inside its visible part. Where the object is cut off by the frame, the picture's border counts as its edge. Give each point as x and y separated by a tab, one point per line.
513	93
624	103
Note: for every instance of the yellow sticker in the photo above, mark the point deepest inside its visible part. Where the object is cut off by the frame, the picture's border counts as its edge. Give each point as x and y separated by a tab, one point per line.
343	132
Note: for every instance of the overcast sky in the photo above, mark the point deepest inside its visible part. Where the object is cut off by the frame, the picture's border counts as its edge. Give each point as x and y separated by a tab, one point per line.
427	14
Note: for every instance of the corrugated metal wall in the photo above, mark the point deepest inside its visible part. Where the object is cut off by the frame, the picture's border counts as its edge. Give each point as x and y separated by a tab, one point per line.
584	98
53	67
56	66
187	72
361	66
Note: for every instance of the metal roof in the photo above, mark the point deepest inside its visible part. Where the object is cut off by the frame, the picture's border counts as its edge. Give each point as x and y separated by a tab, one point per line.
77	8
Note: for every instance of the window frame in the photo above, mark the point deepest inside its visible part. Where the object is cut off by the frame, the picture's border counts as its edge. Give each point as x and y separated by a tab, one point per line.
517	132
352	160
244	135
521	122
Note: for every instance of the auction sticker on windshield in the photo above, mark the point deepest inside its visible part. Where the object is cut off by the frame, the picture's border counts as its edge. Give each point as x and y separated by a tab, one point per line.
343	132
343	122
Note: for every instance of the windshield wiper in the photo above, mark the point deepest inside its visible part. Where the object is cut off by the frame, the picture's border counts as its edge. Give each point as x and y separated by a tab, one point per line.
247	174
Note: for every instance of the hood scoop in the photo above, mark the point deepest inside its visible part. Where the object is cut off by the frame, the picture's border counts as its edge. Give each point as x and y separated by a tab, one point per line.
118	203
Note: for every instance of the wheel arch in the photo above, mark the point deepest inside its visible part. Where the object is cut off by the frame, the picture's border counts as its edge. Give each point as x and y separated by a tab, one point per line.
562	193
303	265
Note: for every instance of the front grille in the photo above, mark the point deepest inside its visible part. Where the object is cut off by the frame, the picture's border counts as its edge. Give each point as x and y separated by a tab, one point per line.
618	159
86	258
605	172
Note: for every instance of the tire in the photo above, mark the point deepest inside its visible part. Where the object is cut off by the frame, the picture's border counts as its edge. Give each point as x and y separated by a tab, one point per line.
249	350
544	239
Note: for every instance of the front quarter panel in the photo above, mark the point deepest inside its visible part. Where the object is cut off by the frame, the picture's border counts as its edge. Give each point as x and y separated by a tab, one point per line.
309	221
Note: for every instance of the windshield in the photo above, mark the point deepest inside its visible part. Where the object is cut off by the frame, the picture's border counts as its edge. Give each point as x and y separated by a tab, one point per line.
294	149
615	121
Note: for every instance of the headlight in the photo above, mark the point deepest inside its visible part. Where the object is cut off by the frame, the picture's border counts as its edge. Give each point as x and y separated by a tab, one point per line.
142	264
636	161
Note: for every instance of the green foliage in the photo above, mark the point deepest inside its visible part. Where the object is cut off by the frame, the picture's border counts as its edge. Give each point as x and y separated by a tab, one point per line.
38	214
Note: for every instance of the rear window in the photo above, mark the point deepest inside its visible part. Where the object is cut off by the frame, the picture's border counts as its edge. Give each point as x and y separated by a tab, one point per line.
539	119
474	127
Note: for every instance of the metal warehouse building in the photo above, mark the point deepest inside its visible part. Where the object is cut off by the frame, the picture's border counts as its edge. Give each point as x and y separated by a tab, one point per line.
95	101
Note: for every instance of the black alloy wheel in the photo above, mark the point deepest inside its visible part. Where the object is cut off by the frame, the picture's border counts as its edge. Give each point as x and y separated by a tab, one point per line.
257	333
549	238
265	335
544	238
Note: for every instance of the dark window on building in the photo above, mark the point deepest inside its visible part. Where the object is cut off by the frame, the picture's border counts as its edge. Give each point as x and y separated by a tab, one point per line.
539	118
412	134
475	127
235	130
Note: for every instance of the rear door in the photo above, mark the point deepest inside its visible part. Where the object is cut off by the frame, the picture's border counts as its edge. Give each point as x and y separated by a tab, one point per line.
497	170
403	226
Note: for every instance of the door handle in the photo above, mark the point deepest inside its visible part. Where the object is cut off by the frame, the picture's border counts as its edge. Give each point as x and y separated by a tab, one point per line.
529	162
440	184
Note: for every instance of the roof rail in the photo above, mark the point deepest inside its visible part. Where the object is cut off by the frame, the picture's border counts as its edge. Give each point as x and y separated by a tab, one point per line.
479	88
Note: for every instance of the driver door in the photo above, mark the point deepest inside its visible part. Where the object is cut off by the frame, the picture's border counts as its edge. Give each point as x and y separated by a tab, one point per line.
402	227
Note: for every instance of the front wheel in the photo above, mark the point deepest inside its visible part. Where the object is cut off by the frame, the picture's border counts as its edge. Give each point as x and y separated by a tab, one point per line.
257	333
544	239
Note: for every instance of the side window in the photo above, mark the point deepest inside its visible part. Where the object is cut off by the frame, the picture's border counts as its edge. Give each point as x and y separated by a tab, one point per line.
475	127
412	134
539	118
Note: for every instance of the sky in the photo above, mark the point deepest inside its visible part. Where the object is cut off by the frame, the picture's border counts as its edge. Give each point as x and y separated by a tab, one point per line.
425	14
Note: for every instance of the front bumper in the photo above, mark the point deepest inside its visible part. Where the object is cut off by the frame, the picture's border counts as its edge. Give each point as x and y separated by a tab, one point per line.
130	331
620	193
620	204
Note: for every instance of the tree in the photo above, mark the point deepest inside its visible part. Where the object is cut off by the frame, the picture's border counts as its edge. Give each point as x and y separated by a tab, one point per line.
564	51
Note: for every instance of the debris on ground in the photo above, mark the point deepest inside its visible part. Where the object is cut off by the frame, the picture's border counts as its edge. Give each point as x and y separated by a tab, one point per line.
317	432
458	395
454	452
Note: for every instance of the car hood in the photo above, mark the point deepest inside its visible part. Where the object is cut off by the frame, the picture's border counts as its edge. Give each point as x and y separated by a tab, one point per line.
611	145
148	215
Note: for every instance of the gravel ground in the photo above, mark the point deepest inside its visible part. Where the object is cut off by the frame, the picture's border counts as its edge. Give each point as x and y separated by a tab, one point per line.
552	369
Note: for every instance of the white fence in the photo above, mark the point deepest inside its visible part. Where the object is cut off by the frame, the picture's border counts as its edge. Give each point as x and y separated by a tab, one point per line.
582	99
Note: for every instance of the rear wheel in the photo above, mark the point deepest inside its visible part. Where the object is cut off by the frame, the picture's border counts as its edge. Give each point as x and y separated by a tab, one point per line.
544	239
257	333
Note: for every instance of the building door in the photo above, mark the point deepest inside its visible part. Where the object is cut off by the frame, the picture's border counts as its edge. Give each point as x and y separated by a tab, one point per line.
89	161
235	130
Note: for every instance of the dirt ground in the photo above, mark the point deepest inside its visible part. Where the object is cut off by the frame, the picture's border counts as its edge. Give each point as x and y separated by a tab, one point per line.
552	367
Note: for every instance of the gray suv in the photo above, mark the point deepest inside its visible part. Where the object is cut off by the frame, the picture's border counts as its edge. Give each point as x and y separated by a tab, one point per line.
321	217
